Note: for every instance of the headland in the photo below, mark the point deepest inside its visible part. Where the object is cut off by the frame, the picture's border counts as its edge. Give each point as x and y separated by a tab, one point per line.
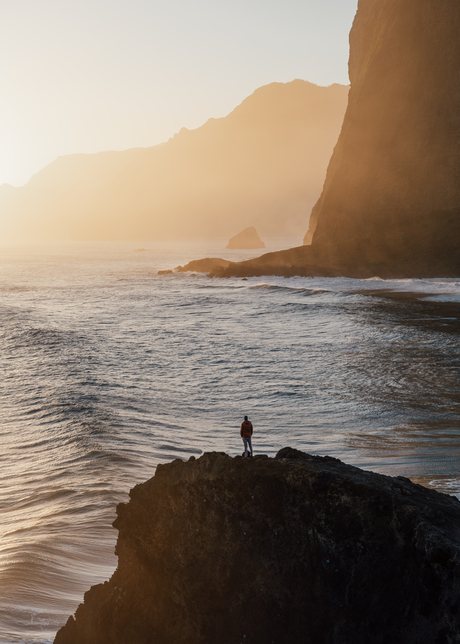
390	204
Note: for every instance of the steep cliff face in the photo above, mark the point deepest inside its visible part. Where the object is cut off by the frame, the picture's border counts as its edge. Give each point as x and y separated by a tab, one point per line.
286	550
396	168
390	205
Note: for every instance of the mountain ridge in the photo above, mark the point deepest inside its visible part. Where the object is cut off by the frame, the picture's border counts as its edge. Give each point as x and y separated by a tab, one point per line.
263	164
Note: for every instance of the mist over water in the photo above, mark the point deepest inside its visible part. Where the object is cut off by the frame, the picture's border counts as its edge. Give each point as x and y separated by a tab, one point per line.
108	369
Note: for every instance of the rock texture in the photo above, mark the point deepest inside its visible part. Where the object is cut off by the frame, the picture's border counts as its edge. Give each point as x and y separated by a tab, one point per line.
296	549
390	205
246	239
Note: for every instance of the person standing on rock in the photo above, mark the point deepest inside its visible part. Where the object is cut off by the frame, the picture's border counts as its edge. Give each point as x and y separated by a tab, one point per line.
246	434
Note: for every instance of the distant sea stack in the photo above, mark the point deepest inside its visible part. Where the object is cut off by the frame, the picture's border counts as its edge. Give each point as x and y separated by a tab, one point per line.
246	239
295	549
390	205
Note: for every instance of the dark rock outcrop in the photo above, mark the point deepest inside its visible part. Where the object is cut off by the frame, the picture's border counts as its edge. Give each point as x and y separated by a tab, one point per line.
208	265
246	239
391	200
296	549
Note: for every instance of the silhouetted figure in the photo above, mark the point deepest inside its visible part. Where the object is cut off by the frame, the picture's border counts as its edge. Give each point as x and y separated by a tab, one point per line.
246	434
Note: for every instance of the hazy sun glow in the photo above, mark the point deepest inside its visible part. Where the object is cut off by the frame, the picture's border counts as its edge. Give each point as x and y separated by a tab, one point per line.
98	75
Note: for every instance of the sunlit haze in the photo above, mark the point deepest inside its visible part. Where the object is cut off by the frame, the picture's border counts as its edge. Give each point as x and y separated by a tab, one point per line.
97	75
212	210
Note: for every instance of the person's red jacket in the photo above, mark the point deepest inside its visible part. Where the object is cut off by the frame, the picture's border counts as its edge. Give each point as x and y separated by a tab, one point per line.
246	429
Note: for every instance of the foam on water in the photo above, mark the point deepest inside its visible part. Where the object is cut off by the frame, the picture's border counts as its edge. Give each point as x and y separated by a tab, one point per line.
109	369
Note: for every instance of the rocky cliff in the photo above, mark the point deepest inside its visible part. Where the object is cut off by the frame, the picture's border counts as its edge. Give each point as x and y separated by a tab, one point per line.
391	200
396	167
295	549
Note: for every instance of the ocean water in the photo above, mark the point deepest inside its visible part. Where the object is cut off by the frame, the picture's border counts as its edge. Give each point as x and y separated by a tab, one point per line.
108	369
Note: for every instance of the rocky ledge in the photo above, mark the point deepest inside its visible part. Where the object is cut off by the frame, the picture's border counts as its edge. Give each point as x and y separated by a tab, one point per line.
292	549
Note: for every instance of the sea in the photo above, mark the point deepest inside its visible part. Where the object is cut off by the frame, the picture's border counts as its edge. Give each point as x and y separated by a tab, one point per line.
108	368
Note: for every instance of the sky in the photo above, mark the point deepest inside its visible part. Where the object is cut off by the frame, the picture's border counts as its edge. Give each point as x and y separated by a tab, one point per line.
92	75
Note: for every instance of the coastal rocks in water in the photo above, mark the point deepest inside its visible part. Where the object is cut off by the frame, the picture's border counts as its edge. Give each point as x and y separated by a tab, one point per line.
286	263
207	265
295	549
390	205
246	239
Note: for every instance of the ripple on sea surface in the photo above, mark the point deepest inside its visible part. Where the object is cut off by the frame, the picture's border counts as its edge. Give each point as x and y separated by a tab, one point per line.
109	369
